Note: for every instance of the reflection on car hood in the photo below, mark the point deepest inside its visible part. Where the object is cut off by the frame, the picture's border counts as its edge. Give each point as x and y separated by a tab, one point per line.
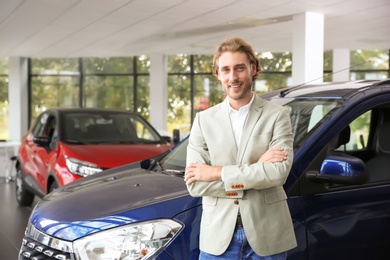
108	156
108	200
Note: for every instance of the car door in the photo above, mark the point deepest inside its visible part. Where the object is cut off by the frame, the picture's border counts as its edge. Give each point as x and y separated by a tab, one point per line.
29	150
350	221
44	154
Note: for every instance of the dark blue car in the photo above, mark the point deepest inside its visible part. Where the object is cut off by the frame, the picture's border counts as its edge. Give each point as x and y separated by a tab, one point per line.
338	189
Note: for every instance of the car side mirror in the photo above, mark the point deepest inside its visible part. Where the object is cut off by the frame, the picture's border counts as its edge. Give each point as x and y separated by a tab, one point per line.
167	138
340	169
176	136
42	141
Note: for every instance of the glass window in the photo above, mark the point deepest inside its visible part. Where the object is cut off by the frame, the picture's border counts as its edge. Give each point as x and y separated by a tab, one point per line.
109	82
328	60
114	65
55	66
328	66
39	127
307	114
107	127
275	62
368	75
370	60
208	92
3	66
109	92
203	64
53	91
359	133
179	103
275	71
143	64
143	96
176	159
179	63
4	109
144	131
268	82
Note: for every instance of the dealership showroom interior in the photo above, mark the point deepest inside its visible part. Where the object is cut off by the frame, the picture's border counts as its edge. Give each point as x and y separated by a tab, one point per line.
153	58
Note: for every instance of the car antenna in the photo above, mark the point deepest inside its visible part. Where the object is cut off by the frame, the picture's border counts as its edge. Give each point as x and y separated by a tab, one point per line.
288	90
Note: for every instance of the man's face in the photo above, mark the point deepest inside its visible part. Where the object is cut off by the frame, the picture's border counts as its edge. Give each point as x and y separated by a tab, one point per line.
235	73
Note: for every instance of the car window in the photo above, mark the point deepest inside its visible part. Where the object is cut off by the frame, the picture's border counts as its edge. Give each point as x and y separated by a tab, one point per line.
359	134
52	130
143	131
39	125
365	139
307	114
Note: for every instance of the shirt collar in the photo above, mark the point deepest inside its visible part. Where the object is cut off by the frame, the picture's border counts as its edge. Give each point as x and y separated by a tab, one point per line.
243	108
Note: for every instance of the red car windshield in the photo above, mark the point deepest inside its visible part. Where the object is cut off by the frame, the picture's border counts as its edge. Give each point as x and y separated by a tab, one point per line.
107	128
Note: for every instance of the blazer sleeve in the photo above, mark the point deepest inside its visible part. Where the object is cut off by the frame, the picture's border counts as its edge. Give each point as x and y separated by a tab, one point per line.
264	175
197	152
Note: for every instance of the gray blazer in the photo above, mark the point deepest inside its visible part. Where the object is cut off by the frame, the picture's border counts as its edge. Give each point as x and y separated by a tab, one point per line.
254	189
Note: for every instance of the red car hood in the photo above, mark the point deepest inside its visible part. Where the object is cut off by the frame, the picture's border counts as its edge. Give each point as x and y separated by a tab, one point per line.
112	155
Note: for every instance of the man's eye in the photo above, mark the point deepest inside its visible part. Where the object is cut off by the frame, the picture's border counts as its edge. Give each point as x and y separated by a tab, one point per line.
241	68
225	70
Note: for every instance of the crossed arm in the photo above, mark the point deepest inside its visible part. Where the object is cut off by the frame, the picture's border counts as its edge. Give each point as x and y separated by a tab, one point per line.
203	172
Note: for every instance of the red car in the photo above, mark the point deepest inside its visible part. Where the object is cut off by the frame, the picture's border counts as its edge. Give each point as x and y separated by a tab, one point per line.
64	145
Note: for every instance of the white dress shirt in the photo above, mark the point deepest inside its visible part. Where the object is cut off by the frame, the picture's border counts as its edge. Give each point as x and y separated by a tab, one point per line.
237	120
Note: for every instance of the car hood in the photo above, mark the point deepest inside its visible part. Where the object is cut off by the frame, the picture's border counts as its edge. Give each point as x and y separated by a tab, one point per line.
115	198
108	156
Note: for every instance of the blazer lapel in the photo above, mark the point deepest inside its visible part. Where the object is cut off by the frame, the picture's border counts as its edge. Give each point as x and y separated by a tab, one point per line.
251	120
227	130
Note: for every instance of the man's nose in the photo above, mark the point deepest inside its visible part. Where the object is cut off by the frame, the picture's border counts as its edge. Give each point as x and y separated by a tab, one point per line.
233	75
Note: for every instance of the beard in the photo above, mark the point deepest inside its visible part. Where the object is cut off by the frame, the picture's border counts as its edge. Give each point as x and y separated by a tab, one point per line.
244	90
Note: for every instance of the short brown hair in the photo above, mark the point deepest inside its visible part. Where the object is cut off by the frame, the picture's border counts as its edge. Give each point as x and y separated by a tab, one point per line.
236	45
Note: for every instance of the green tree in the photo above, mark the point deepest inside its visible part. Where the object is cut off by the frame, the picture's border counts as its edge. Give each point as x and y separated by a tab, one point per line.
370	59
328	66
281	63
369	64
143	86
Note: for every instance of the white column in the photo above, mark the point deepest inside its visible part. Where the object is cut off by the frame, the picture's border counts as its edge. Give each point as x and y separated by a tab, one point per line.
18	97
158	91
308	48
341	64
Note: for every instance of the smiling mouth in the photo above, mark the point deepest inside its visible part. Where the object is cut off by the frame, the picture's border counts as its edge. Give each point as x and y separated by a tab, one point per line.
235	85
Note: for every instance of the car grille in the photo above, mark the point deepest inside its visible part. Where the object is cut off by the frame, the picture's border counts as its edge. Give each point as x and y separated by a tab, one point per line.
36	251
37	246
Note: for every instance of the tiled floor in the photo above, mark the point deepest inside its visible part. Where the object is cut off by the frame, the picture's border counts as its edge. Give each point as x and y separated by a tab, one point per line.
13	221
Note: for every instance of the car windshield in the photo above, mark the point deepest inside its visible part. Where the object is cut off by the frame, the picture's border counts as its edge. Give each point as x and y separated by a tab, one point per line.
107	128
176	159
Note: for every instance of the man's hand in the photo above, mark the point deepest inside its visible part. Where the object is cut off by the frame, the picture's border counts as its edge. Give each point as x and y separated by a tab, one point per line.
273	154
202	172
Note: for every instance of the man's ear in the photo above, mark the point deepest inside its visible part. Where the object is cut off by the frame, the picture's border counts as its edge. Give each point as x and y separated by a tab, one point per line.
254	69
217	75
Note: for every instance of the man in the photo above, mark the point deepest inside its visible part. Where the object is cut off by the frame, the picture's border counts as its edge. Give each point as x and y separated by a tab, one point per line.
239	156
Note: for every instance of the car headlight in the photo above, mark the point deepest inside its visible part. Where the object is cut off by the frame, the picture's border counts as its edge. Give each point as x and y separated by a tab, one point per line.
141	240
81	168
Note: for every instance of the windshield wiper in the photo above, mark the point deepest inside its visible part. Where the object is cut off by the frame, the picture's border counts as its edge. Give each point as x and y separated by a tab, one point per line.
159	166
76	142
169	171
120	142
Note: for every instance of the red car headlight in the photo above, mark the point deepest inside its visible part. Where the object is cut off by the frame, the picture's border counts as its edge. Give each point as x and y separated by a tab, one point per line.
82	168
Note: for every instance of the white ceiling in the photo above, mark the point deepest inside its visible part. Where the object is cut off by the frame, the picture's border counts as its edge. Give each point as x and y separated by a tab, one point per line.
82	28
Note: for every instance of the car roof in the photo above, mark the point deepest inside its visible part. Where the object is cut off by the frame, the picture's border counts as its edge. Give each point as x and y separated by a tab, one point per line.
340	90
